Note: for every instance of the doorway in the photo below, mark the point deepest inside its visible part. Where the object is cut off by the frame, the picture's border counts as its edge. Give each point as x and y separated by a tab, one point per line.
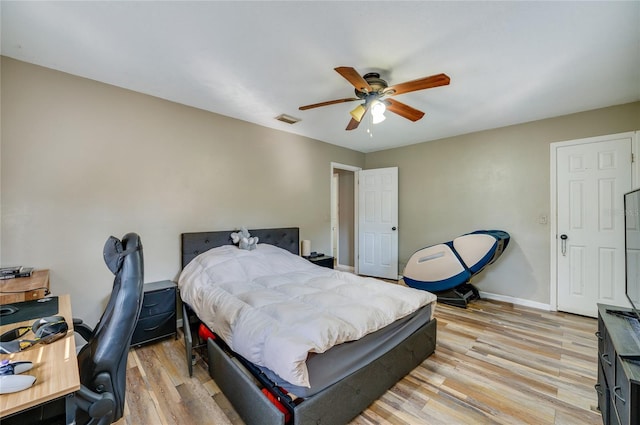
344	241
588	180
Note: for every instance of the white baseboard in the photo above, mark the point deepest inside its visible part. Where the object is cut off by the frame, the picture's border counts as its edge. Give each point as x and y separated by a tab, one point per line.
518	301
344	268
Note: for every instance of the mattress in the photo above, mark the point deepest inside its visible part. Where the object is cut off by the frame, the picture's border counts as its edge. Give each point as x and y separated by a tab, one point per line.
342	360
288	316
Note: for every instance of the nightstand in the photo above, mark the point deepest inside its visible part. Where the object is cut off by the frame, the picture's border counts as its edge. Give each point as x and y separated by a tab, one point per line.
323	261
158	315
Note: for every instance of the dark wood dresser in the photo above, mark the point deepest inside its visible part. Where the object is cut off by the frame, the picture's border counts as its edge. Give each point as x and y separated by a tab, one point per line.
618	384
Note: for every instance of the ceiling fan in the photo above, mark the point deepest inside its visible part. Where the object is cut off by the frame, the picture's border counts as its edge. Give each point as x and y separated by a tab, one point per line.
376	95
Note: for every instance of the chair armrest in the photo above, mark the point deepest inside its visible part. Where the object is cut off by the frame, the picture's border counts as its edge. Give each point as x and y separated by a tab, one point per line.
82	329
99	406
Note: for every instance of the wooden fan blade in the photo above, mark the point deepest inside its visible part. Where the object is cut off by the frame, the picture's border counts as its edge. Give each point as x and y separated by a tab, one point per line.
329	102
353	124
352	76
403	110
420	84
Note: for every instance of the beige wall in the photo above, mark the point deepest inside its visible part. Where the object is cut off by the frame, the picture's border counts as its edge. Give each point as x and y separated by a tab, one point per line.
82	160
496	179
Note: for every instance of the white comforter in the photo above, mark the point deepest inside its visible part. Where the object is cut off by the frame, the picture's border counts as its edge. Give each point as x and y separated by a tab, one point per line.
273	307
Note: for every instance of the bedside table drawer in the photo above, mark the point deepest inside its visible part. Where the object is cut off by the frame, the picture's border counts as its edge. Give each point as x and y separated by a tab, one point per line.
158	302
158	313
154	327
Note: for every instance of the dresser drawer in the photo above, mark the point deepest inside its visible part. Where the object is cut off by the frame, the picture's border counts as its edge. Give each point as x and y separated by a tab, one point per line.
158	302
621	394
608	358
602	330
613	418
602	390
154	327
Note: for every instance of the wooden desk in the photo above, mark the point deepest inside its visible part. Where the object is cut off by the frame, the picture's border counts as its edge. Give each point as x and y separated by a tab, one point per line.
55	367
21	289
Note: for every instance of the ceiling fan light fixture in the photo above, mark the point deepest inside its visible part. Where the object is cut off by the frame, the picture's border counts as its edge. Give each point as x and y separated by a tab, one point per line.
358	112
377	119
377	112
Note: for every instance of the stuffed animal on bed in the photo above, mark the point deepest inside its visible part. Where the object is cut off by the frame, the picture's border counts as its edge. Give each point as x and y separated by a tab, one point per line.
244	239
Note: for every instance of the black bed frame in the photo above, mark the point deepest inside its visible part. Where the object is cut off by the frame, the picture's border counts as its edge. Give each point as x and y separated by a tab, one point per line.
337	404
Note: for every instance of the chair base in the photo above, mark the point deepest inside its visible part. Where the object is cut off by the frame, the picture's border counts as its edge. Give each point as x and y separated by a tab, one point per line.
458	296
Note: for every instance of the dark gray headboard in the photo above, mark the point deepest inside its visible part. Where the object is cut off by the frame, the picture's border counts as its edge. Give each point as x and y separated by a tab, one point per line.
194	244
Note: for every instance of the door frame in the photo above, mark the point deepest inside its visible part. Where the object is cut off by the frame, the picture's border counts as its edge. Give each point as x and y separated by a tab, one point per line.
553	216
335	217
354	169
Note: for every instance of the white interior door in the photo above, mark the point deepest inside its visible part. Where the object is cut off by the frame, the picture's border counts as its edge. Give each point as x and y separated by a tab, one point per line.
592	178
335	236
378	222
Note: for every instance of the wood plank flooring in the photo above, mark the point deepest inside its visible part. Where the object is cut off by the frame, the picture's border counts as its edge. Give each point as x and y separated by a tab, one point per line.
495	363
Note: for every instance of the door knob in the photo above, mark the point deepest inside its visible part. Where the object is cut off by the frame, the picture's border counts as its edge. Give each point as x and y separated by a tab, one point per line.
563	245
393	228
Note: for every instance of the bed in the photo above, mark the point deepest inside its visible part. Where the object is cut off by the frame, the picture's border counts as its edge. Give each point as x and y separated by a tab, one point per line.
339	382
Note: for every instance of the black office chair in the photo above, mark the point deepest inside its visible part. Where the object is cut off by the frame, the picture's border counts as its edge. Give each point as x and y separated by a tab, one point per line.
102	362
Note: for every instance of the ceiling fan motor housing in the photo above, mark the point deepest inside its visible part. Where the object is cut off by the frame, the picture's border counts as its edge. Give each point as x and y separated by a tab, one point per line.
377	84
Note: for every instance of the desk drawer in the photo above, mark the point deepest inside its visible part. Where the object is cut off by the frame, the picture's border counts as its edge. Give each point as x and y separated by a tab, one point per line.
158	302
154	327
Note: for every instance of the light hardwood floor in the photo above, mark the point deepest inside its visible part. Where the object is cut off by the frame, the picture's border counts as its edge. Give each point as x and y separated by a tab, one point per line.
495	363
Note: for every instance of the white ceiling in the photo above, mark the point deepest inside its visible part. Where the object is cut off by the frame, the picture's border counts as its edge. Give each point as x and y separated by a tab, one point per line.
509	62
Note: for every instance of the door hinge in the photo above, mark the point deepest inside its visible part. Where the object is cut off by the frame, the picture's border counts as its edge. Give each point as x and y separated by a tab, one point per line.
633	158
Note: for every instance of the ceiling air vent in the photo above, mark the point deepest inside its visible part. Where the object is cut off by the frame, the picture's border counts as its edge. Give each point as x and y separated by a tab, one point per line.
287	118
